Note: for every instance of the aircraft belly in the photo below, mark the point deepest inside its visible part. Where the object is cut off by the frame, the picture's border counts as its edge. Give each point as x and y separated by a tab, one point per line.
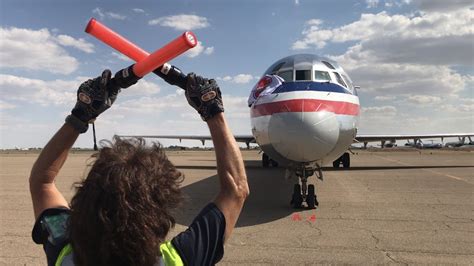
304	136
347	133
304	126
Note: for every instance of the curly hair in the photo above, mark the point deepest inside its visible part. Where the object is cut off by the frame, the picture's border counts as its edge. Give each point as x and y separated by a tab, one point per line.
121	211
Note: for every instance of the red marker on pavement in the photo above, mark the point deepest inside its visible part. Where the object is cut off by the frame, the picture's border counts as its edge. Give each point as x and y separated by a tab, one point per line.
296	217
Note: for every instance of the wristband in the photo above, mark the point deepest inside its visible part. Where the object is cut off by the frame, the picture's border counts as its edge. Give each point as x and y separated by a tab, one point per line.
77	124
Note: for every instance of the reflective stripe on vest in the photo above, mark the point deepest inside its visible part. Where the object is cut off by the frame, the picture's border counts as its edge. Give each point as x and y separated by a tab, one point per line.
65	257
169	256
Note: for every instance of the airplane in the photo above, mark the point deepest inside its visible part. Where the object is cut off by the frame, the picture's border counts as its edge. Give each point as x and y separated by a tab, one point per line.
304	113
432	145
459	143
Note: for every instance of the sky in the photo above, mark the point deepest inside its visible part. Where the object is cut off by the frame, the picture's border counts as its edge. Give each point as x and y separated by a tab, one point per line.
413	59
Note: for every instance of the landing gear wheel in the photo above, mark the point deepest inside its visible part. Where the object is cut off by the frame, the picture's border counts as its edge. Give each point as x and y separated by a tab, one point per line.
311	198
297	198
346	160
265	161
336	163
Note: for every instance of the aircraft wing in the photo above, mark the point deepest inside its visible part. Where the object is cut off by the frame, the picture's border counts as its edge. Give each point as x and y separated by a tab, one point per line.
369	138
247	139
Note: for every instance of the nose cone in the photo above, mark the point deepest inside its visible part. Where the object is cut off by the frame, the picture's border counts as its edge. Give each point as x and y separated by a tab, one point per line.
304	136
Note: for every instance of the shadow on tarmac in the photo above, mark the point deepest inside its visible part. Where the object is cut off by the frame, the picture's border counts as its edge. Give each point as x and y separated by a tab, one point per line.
269	197
256	164
270	192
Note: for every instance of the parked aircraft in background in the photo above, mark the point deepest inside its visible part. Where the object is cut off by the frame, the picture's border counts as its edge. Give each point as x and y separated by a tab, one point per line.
304	113
459	143
432	145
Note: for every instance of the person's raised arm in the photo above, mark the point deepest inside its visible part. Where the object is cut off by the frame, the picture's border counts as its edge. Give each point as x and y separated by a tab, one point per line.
93	97
44	193
234	188
205	96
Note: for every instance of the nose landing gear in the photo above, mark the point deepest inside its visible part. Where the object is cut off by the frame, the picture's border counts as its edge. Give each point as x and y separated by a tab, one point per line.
305	192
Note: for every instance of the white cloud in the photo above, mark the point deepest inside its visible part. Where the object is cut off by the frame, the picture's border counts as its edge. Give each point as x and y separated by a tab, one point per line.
297	2
173	115
177	103
38	50
423	99
121	57
243	78
4	105
459	108
238	79
399	38
384	98
209	50
80	43
98	12
181	22
372	3
107	14
116	16
402	55
153	105
195	51
45	93
383	111
198	49
16	131
395	79
236	108
58	92
442	5
142	88
138	10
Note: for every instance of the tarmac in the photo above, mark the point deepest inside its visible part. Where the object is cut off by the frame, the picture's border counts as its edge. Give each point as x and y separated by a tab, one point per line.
391	207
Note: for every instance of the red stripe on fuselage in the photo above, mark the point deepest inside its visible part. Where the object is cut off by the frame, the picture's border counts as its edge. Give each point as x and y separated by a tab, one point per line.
305	105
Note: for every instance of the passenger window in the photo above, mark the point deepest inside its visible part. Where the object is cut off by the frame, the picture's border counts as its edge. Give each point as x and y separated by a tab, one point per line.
339	79
286	75
321	75
303	75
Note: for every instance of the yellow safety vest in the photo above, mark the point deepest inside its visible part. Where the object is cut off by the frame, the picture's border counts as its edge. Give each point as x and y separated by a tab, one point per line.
169	256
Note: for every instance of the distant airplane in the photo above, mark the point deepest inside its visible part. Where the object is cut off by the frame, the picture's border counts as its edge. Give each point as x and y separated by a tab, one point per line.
458	143
304	113
431	145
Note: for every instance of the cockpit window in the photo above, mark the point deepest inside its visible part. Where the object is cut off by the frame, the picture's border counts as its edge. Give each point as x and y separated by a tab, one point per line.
321	75
286	75
339	79
328	65
348	81
277	67
303	75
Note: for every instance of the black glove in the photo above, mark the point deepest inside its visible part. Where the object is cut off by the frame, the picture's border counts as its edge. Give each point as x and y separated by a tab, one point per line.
123	79
204	95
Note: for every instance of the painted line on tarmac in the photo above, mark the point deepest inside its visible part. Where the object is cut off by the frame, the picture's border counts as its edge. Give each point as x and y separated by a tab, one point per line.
426	170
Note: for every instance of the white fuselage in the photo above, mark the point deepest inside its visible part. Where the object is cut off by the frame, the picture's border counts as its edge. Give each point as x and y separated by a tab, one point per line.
315	133
306	121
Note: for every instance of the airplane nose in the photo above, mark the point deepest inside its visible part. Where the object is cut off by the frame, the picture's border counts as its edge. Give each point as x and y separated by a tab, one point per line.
304	136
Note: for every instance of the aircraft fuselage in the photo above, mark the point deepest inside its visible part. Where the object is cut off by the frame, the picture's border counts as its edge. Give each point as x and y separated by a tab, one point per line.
304	121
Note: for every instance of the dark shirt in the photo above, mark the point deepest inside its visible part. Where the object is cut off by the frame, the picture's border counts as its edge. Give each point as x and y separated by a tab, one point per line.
201	244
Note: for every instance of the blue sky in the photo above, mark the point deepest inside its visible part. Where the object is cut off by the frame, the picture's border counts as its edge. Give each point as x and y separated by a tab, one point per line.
412	58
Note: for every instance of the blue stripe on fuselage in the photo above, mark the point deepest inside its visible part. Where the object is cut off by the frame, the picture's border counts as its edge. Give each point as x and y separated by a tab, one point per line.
310	86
